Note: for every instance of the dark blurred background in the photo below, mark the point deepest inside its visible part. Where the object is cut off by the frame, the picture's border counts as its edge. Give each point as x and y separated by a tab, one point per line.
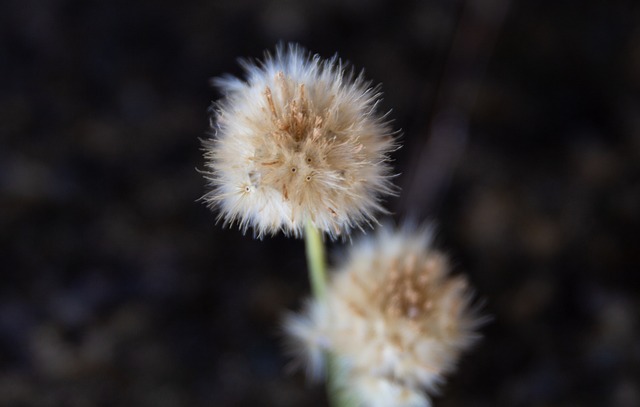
521	133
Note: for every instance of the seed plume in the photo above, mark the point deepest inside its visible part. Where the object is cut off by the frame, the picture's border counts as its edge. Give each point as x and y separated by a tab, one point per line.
298	140
394	317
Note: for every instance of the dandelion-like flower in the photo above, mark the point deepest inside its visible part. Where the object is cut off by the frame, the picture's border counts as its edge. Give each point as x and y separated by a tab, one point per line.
298	141
393	317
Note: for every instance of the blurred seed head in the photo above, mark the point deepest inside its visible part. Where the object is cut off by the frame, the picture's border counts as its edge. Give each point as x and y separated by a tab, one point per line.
394	317
298	140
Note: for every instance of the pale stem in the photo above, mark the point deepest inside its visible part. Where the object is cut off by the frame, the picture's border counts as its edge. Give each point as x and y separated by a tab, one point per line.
317	262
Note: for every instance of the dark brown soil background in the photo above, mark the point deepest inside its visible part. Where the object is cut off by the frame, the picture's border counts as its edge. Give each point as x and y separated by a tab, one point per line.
521	133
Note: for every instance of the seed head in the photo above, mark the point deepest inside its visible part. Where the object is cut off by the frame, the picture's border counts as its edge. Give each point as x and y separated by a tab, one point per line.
394	317
299	140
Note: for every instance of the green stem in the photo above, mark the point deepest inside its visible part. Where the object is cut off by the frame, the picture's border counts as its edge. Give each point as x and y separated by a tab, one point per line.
316	259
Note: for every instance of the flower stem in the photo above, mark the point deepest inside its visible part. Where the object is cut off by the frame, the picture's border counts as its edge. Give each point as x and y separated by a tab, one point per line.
316	259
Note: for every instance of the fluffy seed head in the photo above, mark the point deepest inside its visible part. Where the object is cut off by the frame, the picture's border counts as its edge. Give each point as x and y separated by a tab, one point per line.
299	140
394	316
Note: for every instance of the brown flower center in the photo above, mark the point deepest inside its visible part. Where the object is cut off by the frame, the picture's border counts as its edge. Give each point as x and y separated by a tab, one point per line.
405	290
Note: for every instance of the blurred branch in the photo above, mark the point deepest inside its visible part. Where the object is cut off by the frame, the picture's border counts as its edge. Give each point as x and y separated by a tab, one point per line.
447	130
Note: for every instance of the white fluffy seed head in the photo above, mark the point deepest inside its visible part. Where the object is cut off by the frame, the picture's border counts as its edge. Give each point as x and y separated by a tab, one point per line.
299	140
393	315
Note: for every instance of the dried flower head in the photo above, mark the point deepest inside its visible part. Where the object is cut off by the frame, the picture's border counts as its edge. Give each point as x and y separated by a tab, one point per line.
393	316
299	140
